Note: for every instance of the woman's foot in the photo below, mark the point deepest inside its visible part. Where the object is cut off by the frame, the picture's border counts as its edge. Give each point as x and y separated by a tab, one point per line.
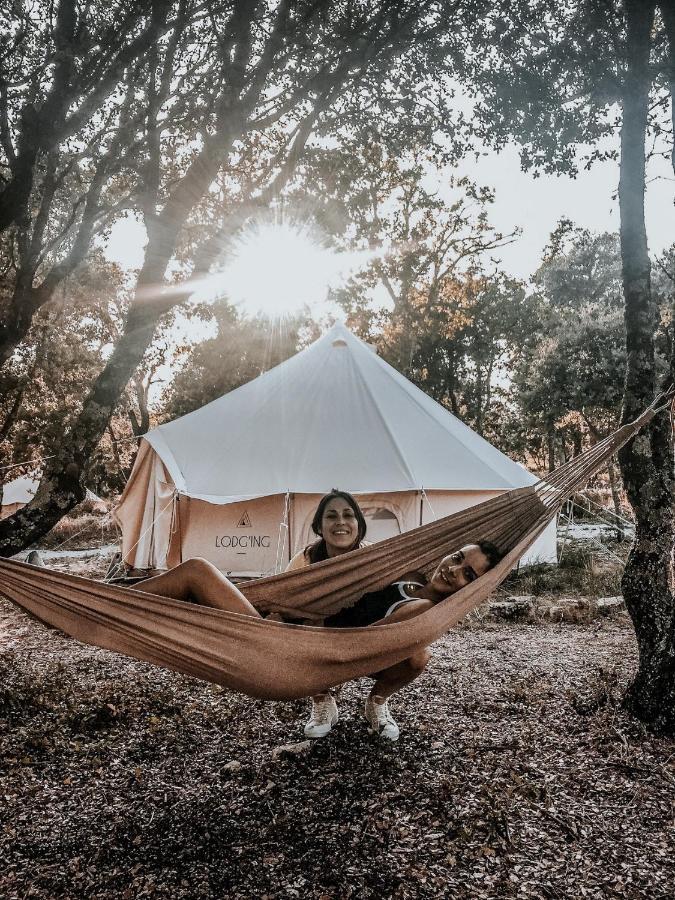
380	719
324	715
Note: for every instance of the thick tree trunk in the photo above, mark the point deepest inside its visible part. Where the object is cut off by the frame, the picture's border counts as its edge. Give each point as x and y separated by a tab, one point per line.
15	195
61	486
616	500
646	463
550	446
17	318
668	13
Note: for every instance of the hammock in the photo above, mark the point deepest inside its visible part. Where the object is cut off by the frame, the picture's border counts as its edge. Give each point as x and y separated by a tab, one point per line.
280	661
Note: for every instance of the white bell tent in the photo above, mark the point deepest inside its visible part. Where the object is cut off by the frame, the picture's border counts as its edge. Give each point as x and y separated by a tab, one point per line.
237	482
19	492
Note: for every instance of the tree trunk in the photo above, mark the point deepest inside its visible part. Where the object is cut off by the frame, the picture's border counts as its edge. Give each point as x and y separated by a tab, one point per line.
577	441
616	500
16	319
61	486
143	424
13	413
479	402
646	462
550	445
450	385
115	452
668	13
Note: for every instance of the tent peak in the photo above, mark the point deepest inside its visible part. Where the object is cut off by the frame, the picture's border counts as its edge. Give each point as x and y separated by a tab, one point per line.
339	336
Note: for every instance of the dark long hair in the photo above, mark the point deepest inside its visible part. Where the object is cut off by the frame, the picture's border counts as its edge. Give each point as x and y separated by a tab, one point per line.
491	551
318	551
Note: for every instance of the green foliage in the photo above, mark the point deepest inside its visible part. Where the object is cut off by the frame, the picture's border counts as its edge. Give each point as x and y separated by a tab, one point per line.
569	383
579	574
437	317
42	386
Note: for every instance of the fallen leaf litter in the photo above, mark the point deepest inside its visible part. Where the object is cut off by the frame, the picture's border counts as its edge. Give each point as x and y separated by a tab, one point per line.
517	775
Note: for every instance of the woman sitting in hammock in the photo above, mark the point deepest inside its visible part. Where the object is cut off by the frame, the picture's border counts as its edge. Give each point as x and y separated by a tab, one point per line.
340	526
199	581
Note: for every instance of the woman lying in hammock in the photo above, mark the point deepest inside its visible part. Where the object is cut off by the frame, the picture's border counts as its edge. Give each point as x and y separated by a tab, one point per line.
199	581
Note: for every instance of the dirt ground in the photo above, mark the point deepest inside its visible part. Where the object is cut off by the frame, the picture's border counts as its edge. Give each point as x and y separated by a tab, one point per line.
517	774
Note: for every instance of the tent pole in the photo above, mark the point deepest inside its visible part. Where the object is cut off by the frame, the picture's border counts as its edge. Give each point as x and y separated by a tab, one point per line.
291	500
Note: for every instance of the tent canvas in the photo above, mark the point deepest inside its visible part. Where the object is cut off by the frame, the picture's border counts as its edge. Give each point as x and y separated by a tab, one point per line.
17	493
237	480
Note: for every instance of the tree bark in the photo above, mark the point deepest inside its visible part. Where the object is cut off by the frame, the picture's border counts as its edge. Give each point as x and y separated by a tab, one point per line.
550	445
577	441
115	451
668	13
616	500
646	462
140	426
61	485
17	316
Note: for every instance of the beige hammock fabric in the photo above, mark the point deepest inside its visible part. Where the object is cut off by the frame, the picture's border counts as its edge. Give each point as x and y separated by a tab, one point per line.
275	660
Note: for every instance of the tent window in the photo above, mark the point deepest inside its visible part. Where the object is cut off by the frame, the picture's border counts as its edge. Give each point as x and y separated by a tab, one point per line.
381	514
382	523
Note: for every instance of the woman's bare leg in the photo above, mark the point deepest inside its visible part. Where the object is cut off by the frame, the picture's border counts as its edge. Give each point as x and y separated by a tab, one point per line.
199	581
390	680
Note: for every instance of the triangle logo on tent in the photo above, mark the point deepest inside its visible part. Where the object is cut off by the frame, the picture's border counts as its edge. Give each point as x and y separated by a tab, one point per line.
245	521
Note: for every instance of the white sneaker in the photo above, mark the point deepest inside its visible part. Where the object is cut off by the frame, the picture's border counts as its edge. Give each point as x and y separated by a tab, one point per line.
324	716
381	720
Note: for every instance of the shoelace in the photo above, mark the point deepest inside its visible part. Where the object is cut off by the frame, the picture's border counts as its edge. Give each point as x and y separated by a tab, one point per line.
382	715
388	718
321	713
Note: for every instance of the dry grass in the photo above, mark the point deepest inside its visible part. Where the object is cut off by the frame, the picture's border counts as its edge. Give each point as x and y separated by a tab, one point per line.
582	573
80	532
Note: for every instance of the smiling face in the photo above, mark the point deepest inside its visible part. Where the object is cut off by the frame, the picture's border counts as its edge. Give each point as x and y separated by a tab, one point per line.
339	527
459	569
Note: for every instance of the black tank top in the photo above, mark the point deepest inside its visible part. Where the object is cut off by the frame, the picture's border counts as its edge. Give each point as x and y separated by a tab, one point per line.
369	608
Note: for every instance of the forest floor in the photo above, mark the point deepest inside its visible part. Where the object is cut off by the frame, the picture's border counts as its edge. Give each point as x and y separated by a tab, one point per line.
517	774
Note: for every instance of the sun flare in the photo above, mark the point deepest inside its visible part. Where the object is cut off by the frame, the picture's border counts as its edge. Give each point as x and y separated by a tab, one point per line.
277	269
